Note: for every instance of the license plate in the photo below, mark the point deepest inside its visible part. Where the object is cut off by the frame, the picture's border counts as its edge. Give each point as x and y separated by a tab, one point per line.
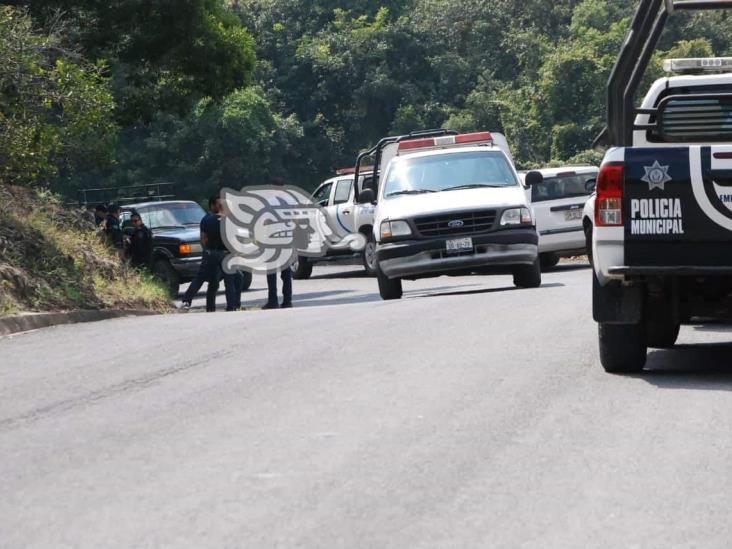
459	244
571	215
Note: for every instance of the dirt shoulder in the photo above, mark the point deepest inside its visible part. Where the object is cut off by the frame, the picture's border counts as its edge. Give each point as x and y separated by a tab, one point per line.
52	259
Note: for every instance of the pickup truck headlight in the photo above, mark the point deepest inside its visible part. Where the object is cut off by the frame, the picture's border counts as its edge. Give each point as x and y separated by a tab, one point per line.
516	216
392	229
184	249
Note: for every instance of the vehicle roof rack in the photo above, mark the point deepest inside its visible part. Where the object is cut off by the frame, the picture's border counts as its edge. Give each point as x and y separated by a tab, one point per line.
152	192
641	41
376	151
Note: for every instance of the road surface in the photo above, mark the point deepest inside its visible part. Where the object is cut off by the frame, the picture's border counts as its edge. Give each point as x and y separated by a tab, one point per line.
468	414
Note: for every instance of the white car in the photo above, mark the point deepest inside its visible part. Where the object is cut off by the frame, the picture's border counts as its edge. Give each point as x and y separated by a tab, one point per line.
558	203
337	197
452	204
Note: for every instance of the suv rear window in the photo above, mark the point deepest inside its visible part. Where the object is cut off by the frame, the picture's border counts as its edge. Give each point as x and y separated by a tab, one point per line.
562	186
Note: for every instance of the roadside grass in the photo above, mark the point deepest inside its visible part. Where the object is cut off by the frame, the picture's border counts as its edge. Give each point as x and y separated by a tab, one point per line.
52	259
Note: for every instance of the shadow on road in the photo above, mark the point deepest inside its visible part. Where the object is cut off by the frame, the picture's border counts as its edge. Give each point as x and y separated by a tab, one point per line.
360	273
700	366
562	267
430	292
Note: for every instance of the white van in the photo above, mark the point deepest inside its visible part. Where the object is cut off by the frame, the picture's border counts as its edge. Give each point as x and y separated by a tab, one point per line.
451	205
558	203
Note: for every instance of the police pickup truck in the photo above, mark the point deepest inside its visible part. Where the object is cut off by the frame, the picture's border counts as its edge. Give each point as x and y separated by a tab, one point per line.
337	197
450	204
661	231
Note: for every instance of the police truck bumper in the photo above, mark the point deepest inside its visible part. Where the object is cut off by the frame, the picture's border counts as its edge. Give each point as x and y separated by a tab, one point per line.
407	258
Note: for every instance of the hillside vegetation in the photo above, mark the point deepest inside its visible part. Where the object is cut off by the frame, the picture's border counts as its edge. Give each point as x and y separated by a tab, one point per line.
51	259
212	93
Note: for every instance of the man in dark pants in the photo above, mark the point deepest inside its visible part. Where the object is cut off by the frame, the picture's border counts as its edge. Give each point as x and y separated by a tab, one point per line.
286	276
211	270
141	242
203	271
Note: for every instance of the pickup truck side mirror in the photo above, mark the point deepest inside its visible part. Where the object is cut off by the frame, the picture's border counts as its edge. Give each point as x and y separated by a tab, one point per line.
533	178
366	196
590	185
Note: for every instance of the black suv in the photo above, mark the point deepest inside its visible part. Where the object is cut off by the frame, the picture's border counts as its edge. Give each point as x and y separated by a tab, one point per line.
177	250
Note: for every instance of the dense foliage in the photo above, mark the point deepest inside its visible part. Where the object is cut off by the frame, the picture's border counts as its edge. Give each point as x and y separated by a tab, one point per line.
137	91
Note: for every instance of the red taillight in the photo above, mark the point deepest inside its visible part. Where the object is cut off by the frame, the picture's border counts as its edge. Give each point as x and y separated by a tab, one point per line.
609	199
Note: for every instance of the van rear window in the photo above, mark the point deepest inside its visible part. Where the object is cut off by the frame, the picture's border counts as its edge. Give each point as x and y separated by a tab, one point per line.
554	188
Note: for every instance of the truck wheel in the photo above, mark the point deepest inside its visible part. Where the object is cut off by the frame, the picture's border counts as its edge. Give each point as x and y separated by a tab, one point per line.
165	272
301	269
661	329
247	280
622	347
548	260
369	255
389	288
527	276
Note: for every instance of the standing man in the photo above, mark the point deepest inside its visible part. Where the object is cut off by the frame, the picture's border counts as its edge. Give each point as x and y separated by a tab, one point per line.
112	228
141	242
285	274
100	214
203	271
216	251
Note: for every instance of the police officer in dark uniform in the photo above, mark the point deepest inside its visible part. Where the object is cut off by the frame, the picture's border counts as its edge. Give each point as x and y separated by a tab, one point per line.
112	228
214	253
141	242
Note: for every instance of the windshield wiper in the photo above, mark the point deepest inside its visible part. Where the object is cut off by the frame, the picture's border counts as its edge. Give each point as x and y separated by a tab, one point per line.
169	227
411	191
473	186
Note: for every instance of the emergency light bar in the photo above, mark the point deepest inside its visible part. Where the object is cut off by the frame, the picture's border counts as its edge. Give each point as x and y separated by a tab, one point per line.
698	65
445	141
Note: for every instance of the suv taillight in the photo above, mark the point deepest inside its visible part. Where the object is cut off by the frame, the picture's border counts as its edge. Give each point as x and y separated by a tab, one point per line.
609	199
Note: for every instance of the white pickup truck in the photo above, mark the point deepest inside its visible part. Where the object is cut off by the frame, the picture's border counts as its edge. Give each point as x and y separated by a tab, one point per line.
661	229
451	204
337	196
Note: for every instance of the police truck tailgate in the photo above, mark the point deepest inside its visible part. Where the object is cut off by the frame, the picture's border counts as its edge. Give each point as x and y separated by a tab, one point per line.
678	208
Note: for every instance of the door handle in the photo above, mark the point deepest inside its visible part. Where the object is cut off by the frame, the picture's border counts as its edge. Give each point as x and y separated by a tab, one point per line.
346	212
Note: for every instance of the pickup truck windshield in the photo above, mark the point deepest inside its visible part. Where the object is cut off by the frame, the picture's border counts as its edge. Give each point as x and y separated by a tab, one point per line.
448	172
173	215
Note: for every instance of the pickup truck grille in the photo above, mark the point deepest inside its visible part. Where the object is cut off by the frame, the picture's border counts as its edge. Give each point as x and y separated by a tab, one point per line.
469	222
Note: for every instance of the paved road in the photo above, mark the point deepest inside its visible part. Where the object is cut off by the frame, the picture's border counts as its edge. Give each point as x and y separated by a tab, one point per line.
475	415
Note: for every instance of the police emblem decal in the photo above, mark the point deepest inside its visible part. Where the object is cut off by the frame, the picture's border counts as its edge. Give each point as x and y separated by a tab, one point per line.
656	176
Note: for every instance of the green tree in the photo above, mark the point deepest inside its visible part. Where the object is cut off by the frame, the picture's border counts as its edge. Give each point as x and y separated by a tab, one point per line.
55	108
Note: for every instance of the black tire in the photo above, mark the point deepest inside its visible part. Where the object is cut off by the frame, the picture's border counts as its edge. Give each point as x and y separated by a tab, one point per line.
302	269
622	347
661	329
247	280
389	288
527	276
548	260
165	272
369	255
588	241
